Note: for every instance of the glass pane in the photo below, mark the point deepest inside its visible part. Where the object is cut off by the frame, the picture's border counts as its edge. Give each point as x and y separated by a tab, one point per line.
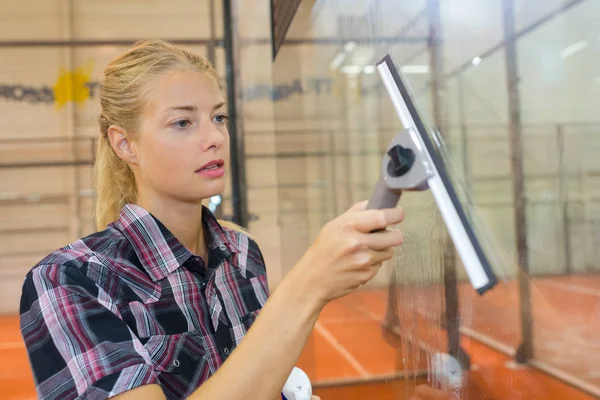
557	63
528	13
470	29
339	136
332	124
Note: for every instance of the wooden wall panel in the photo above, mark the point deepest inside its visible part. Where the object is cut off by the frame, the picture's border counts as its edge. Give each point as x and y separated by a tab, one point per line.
43	181
30	215
29	19
22	72
10	294
36	241
141	18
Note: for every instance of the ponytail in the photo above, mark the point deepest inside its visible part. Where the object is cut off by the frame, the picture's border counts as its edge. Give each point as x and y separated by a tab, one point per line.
114	183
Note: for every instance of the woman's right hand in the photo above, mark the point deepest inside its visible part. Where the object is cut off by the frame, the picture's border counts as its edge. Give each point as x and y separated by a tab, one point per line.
349	251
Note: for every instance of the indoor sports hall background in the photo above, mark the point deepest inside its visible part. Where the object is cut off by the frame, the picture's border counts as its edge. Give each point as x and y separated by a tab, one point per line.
312	122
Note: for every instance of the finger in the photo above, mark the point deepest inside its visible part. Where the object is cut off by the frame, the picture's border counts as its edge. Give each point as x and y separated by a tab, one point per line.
360	206
379	257
374	220
383	240
367	272
315	398
365	260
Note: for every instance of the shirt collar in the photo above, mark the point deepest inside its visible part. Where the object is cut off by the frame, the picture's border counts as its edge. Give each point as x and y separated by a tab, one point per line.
158	250
218	237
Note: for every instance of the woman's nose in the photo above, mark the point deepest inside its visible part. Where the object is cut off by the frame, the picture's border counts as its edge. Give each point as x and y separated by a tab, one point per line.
213	137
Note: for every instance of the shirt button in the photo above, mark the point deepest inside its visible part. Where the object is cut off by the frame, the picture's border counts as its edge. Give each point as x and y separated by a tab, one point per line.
176	363
223	247
226	351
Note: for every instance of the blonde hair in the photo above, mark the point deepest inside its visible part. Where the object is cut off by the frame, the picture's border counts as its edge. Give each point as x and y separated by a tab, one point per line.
123	96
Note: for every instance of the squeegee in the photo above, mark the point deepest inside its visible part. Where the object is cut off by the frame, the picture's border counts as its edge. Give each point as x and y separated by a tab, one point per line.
413	162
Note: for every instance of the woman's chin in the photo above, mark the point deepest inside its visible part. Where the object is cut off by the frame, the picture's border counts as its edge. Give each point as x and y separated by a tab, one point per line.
197	193
208	192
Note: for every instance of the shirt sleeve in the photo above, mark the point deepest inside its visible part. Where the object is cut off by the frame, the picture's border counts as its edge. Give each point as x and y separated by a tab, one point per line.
78	345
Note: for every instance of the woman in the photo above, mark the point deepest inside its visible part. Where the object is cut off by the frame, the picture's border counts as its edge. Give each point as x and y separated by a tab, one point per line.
155	305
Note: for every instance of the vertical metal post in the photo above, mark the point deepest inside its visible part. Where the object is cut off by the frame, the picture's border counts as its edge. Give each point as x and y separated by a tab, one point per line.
464	137
438	86
237	154
333	175
67	19
364	153
525	350
213	36
586	219
346	130
212	58
451	314
564	201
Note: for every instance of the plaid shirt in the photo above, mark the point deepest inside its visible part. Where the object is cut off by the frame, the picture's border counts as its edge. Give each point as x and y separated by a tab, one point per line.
130	306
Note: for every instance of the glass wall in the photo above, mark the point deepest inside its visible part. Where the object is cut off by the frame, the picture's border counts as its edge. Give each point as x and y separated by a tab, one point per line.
331	132
559	71
332	127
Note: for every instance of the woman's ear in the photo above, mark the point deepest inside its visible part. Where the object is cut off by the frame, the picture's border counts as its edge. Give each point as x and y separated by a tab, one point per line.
121	144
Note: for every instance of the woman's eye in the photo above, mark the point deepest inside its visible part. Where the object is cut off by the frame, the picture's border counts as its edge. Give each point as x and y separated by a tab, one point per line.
220	118
183	123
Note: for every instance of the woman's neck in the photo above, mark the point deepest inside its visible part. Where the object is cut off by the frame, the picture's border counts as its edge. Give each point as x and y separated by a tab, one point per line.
184	220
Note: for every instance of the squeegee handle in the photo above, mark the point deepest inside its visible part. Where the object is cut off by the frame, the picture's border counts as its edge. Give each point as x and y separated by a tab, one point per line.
383	197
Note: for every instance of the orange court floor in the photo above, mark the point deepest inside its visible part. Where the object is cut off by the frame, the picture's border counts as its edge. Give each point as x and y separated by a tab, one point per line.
348	356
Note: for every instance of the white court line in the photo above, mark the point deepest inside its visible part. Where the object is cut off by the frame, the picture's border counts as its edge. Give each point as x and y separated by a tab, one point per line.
569	287
364	310
396	329
342	350
11	345
488	341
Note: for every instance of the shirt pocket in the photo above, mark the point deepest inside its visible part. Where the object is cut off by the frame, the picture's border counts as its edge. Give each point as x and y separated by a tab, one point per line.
240	327
248	319
180	354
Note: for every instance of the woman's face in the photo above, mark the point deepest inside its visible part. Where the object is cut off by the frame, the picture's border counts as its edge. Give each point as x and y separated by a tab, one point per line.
182	147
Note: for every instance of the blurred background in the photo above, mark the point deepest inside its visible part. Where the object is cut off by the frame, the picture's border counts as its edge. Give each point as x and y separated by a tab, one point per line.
511	87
